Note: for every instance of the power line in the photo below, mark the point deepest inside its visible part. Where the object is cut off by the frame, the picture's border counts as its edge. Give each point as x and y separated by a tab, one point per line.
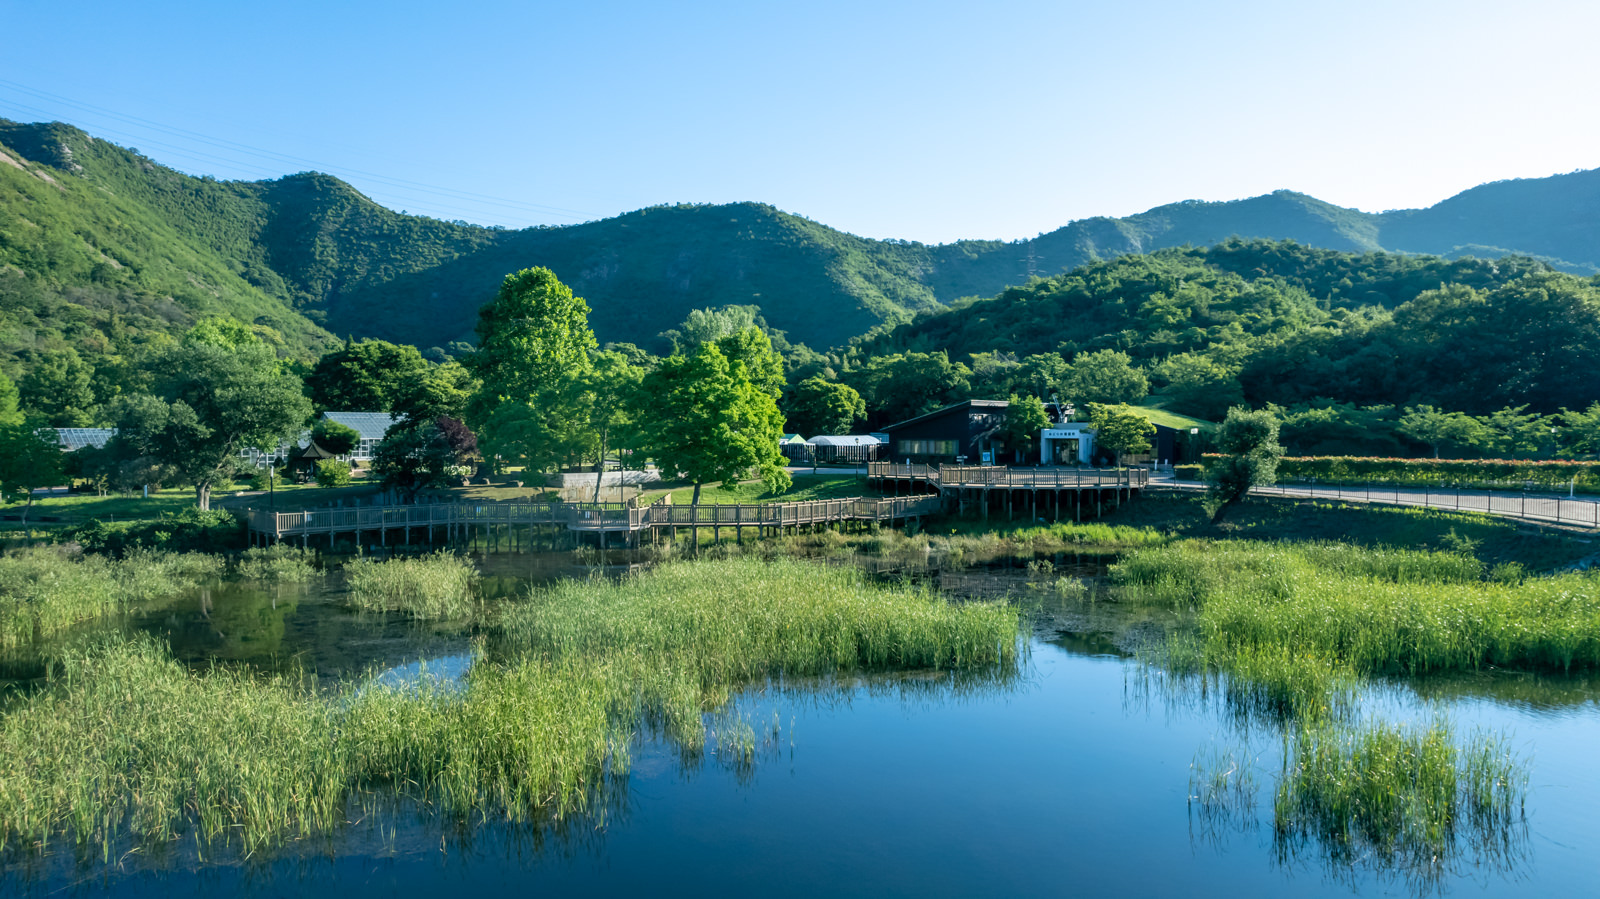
466	198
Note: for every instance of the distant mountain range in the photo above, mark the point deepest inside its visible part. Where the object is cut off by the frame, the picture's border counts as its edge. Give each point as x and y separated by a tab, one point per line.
88	228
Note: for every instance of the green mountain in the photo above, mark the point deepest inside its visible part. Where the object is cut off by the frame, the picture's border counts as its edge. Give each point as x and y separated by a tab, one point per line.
103	250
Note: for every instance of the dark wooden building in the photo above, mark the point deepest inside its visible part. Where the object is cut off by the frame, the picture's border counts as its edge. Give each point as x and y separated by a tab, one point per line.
964	432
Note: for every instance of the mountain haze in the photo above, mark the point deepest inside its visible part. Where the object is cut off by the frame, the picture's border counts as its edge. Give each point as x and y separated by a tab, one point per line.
101	247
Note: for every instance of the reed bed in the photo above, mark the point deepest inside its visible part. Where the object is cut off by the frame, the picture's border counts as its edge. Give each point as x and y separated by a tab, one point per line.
1373	610
1399	797
735	620
436	586
281	563
127	746
44	590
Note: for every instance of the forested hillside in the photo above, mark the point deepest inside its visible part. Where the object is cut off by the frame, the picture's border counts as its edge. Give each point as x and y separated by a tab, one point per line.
103	252
1278	322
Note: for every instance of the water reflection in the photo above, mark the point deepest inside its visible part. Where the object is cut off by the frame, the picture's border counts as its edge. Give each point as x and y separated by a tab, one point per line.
1069	775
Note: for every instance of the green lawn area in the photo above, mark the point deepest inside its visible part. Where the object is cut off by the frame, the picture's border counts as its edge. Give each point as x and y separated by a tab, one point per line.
1154	409
76	508
806	487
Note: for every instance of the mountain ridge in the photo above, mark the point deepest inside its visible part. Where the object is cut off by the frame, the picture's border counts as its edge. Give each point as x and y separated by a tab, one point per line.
308	256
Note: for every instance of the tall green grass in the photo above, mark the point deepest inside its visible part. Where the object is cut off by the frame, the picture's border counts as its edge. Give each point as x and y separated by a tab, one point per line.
1408	798
127	746
1374	610
440	585
45	590
1285	633
738	619
281	562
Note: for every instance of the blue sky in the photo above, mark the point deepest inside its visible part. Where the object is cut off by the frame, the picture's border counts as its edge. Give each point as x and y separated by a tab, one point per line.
923	121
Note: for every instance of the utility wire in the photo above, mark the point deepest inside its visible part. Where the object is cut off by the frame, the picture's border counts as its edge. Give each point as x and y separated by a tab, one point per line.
466	198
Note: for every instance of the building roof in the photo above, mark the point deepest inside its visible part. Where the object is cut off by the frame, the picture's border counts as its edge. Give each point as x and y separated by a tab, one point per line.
77	438
370	425
792	438
845	440
992	405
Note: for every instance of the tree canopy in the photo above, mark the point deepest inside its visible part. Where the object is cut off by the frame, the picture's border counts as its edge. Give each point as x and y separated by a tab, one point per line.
708	420
533	354
363	376
207	404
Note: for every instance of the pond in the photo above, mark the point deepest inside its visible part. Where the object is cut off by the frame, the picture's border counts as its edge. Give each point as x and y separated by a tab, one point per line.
1073	779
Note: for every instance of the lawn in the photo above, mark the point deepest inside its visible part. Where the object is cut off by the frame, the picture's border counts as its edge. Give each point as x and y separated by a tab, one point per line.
806	487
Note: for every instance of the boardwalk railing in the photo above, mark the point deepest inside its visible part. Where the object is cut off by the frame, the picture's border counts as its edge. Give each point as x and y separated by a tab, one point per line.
1581	512
587	516
1011	478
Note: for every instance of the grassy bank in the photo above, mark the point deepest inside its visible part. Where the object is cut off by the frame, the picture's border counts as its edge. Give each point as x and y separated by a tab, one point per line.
125	745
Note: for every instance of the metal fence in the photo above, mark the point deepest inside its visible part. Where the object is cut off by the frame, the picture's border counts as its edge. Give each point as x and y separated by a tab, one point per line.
1534	506
1003	476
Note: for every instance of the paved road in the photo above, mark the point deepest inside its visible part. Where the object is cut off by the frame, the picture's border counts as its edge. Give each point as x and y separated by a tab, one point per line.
1581	511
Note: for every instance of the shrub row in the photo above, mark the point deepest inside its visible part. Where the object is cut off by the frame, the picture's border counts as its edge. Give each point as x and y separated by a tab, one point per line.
1548	474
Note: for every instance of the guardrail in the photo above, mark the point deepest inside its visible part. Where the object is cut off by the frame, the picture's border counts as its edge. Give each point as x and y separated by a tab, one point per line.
1581	512
1003	476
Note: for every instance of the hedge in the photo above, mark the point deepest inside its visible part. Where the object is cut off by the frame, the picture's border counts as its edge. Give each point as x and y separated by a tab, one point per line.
1486	473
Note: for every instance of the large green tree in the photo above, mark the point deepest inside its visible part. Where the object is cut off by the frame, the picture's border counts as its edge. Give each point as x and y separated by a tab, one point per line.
1437	428
1248	443
1103	376
819	406
209	403
901	386
1025	418
533	353
58	388
704	417
413	459
363	376
1120	428
28	459
610	398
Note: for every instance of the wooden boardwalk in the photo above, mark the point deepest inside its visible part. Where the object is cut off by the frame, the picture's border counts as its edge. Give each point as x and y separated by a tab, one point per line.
451	522
1036	492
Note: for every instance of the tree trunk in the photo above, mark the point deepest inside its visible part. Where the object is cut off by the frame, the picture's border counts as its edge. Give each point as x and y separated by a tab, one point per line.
1216	517
202	496
600	467
29	507
696	500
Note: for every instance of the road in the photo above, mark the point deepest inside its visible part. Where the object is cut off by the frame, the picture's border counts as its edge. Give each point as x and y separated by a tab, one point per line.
1579	511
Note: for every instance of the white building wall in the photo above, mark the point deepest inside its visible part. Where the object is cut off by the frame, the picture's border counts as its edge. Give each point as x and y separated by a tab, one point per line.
1051	438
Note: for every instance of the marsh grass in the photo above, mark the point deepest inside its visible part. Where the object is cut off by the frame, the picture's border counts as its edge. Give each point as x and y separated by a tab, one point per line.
1376	611
1404	798
45	590
436	586
126	746
281	563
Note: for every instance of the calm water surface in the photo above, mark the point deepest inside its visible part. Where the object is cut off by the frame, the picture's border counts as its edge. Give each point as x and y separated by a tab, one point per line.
1073	781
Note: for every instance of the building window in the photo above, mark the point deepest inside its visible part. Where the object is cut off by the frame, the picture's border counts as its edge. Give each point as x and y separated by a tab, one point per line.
925	448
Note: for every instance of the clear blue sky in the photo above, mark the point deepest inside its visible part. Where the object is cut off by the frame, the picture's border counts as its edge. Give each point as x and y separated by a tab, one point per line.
918	120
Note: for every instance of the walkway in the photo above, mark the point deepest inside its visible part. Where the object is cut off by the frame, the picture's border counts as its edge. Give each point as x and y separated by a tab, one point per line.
1577	511
458	520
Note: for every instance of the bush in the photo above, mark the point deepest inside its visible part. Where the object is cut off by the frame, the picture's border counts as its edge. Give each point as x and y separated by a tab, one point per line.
1187	472
188	531
1550	474
333	473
